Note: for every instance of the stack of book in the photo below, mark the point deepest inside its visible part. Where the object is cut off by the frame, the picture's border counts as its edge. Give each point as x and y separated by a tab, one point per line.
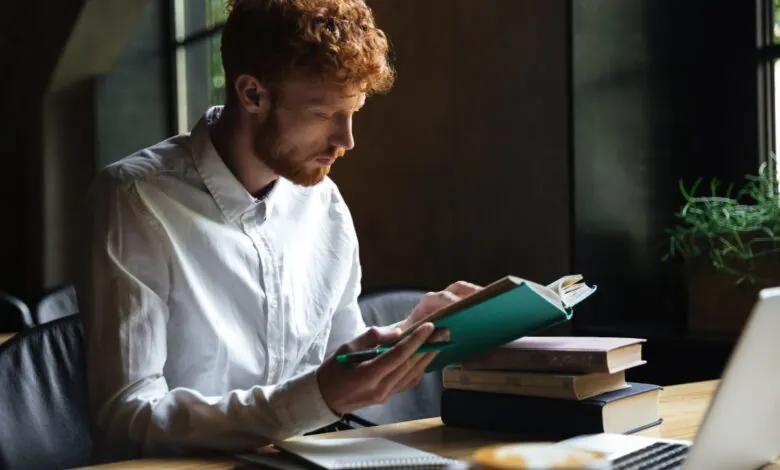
552	387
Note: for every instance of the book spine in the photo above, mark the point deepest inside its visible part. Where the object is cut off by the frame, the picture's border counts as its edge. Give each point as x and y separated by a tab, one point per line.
543	418
516	383
575	362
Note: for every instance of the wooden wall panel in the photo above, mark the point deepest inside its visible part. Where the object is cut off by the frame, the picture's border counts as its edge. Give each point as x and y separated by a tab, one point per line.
462	171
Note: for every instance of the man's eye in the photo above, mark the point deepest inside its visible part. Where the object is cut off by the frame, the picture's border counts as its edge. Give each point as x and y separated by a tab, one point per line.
323	116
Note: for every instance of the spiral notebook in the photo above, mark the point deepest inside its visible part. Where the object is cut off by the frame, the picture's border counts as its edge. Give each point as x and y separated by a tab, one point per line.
362	453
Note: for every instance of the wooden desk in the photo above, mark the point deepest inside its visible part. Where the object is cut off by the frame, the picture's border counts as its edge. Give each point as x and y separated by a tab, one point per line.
5	337
682	407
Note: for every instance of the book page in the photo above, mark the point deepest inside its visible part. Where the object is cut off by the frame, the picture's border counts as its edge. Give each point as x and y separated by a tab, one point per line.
571	290
577	294
566	282
550	294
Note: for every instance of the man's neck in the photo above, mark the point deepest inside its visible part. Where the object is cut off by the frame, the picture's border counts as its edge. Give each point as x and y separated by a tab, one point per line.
233	141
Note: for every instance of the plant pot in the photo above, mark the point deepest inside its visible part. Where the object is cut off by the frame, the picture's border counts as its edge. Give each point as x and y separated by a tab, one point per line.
716	303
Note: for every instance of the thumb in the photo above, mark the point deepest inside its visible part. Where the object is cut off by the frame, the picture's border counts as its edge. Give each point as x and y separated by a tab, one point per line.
374	337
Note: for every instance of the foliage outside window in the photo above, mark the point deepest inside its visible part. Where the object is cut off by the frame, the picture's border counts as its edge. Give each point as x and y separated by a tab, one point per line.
200	78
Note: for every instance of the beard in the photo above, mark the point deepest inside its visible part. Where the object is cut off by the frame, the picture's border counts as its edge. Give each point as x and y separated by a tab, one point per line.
283	159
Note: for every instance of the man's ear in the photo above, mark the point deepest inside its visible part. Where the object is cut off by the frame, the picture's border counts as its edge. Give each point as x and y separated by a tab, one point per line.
252	95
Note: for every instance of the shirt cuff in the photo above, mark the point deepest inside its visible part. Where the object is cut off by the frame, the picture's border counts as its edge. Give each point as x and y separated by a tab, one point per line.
302	406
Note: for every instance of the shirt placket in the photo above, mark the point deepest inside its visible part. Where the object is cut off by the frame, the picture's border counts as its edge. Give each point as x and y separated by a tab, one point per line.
269	283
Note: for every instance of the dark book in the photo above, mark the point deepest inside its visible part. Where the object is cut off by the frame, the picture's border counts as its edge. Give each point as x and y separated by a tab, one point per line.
624	411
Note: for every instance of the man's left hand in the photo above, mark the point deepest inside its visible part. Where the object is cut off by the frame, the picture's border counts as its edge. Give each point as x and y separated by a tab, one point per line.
433	301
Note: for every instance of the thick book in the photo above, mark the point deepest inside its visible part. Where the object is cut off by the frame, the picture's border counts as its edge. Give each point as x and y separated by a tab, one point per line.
566	387
502	311
563	354
624	411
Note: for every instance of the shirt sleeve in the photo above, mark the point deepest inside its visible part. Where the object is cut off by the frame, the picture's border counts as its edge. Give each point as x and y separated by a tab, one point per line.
124	294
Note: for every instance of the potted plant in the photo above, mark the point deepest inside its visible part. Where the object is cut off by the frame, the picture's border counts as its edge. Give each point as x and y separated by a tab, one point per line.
730	244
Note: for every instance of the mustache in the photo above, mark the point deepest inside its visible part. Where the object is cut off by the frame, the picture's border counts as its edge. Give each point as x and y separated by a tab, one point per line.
334	153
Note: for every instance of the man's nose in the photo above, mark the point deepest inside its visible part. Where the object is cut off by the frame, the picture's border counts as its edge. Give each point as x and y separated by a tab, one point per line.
342	136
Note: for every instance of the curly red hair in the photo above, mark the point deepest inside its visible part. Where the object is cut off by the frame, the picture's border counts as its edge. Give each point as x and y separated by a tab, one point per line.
334	39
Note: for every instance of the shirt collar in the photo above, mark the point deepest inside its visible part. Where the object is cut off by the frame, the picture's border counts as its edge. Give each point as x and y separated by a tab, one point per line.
229	194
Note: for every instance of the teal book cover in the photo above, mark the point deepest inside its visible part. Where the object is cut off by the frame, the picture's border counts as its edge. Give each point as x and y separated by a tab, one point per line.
505	310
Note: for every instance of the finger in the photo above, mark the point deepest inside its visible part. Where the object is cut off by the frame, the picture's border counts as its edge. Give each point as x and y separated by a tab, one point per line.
440	336
433	301
390	382
401	352
405	372
414	374
437	336
371	338
410	381
463	288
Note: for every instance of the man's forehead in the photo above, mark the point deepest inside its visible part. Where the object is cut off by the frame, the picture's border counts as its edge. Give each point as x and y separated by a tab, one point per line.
323	92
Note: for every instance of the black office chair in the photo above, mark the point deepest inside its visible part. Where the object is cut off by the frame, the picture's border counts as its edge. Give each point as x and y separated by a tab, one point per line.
44	414
423	401
13	307
56	303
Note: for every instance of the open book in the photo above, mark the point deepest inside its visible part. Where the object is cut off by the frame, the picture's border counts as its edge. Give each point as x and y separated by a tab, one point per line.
570	289
503	311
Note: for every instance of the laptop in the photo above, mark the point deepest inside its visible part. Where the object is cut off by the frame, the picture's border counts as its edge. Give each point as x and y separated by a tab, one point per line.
741	428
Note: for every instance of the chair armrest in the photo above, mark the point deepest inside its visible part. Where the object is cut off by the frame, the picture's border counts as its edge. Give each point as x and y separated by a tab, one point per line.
352	419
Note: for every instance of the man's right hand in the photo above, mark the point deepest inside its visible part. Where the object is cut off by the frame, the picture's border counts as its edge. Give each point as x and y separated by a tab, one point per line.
346	388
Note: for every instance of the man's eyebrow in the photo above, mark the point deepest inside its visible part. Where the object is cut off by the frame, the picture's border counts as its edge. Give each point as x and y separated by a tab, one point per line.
325	103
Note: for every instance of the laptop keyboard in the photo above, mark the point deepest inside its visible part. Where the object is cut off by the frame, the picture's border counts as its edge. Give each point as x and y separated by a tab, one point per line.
658	456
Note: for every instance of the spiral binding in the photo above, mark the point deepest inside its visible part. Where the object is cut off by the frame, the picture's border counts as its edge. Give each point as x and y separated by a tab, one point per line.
392	464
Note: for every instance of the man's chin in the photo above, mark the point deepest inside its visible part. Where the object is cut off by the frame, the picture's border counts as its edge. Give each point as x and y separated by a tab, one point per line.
308	177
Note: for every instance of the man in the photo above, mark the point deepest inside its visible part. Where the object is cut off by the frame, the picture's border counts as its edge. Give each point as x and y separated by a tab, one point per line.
224	269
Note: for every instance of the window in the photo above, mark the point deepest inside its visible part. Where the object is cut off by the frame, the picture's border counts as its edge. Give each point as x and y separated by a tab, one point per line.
769	80
198	73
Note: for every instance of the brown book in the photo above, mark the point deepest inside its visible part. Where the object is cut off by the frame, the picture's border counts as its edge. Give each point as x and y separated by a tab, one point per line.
535	384
564	354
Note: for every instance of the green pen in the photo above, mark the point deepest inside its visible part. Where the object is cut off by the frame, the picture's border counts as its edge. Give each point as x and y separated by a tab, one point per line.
368	354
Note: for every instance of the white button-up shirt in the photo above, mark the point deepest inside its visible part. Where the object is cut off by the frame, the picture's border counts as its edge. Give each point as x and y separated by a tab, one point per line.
206	310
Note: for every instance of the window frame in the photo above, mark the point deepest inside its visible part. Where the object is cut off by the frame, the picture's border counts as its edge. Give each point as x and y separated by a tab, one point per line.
768	53
181	42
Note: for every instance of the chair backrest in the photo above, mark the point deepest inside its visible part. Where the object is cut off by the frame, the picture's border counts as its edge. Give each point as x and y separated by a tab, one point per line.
11	306
424	400
57	303
44	414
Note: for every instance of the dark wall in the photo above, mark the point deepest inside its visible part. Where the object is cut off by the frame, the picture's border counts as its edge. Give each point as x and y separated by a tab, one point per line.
68	166
51	120
663	90
28	60
462	170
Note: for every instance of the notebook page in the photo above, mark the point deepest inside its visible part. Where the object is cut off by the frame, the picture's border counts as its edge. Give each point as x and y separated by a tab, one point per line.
361	452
